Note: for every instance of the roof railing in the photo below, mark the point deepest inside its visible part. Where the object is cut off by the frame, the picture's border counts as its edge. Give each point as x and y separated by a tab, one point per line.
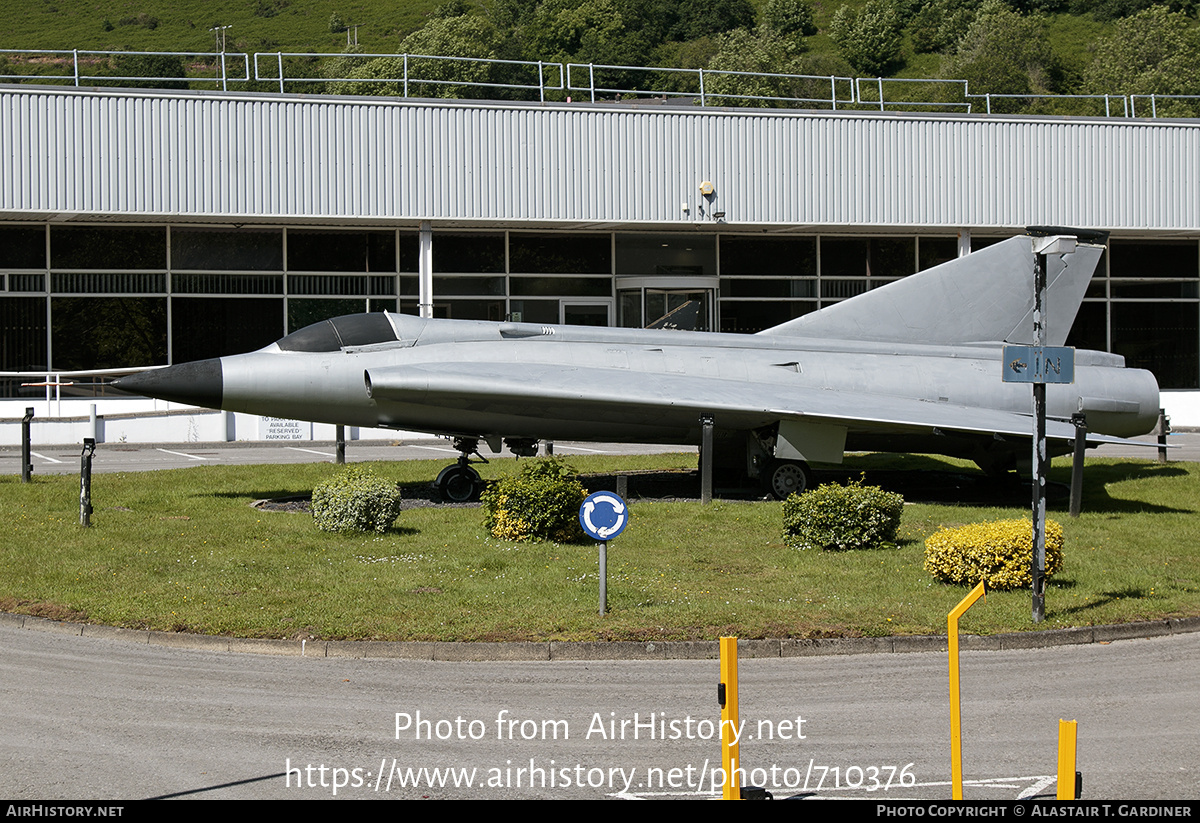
82	61
703	89
424	75
410	76
1194	111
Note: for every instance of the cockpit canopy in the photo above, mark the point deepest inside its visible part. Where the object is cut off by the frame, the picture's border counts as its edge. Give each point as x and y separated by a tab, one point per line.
338	332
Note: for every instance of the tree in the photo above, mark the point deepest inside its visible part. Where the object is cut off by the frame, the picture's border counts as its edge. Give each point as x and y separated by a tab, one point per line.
870	40
939	24
573	31
698	18
1153	52
761	51
764	52
1116	9
790	18
146	68
463	36
1003	52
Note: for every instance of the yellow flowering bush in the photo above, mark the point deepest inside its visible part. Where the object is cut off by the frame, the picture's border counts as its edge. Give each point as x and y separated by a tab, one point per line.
998	553
540	502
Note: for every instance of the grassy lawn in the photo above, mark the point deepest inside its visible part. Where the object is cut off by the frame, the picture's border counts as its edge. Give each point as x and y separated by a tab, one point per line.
183	550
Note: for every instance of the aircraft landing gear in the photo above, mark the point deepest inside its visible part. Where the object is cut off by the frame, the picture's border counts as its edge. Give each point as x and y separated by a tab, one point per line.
784	478
460	483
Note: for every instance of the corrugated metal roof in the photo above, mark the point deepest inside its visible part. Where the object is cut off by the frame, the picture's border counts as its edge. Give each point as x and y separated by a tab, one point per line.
129	154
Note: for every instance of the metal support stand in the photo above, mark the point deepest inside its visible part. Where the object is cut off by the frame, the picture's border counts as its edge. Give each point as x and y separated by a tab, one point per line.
1164	428
26	462
1080	422
340	449
85	481
706	458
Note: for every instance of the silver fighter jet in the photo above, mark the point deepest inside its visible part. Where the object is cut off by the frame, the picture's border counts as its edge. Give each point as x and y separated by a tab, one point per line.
913	366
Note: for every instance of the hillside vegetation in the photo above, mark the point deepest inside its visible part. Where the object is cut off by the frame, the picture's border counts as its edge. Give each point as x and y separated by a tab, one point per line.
1027	47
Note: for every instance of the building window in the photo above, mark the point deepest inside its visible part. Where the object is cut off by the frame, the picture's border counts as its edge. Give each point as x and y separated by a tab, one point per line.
227	249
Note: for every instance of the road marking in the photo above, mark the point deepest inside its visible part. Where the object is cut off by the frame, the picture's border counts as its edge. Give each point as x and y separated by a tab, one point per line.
182	454
435	449
310	451
558	446
44	457
1034	785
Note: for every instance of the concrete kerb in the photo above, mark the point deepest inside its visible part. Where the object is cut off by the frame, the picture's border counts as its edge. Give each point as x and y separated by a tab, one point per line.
607	650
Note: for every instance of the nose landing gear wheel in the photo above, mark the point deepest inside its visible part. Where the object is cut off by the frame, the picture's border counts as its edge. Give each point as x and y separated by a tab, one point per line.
459	484
784	478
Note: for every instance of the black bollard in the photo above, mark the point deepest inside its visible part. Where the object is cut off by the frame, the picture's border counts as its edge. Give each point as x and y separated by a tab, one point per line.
26	461
85	481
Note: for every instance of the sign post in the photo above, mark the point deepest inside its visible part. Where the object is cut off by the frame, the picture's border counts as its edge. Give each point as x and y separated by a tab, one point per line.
1039	365
603	515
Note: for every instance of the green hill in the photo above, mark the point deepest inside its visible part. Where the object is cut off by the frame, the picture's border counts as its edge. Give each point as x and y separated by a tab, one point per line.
1031	47
184	25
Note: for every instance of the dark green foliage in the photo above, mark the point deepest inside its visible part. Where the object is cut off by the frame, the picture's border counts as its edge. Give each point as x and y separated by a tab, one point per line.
1003	52
870	40
144	67
451	8
939	24
464	36
357	500
700	17
837	518
761	51
1116	9
540	502
1152	52
790	18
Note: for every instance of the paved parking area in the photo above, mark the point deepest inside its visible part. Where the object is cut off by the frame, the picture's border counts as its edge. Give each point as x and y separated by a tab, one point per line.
124	457
119	457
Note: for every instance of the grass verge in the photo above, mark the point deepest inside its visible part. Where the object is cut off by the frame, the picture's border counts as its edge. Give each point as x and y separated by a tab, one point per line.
183	550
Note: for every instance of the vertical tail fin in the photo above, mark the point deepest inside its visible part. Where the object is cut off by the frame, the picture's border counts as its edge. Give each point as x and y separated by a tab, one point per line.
986	296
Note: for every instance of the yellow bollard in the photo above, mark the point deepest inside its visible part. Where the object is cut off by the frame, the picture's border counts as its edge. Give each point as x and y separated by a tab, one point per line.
956	777
728	694
1066	760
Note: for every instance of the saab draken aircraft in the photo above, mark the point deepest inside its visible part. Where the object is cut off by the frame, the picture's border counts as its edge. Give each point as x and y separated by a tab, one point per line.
913	366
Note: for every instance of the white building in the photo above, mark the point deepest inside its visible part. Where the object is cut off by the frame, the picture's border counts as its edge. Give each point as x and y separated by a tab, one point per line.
143	227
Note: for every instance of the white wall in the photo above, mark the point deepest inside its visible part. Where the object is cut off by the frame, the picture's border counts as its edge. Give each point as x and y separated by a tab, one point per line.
156	421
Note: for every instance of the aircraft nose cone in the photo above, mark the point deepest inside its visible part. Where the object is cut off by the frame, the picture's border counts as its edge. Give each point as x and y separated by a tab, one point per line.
197	384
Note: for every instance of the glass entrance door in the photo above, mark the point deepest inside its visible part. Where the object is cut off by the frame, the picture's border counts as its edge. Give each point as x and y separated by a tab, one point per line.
656	302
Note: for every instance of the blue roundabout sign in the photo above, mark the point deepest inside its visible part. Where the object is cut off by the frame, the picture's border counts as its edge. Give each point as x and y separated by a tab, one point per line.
603	515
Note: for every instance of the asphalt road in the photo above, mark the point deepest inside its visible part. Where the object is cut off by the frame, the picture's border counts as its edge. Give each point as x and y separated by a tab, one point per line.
93	718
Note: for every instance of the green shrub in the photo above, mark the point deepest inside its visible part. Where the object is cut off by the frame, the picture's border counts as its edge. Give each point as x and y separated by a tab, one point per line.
540	502
998	553
357	500
842	517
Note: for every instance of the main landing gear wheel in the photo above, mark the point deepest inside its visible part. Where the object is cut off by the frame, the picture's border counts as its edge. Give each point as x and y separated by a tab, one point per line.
784	478
459	484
